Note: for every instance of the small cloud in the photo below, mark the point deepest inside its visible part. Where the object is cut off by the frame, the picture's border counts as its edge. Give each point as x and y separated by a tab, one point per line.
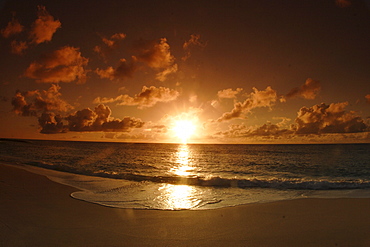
308	90
162	76
194	41
367	97
18	47
264	98
148	97
63	65
44	27
229	93
110	44
155	55
124	70
343	3
13	27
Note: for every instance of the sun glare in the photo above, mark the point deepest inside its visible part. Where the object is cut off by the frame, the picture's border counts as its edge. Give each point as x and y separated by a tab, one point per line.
184	129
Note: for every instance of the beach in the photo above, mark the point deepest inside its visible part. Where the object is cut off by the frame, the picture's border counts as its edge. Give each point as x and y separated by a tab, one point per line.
35	211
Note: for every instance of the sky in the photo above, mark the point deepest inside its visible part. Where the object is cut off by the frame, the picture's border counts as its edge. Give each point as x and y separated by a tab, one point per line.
284	71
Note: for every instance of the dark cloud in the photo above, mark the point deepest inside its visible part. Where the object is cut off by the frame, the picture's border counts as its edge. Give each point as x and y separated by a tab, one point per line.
264	98
367	97
44	27
63	65
308	90
110	44
51	123
148	97
99	119
331	118
343	3
13	27
194	41
18	47
33	103
124	70
155	54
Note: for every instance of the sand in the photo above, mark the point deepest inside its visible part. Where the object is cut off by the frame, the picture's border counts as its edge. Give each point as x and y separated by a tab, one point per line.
35	211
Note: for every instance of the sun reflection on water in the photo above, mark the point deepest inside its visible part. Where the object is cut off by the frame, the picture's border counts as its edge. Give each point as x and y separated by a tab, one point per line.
180	196
183	167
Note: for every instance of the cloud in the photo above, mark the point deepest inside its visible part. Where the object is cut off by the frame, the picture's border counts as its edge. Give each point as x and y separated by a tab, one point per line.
194	41
33	103
148	97
52	124
63	65
162	76
367	97
110	44
155	55
124	70
99	119
343	3
228	93
264	98
308	90
13	27
44	27
18	47
331	118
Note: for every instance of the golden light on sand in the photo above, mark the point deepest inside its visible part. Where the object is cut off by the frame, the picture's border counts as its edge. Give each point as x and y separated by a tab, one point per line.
184	129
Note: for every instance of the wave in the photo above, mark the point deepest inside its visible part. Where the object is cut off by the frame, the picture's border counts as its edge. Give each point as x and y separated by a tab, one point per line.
244	183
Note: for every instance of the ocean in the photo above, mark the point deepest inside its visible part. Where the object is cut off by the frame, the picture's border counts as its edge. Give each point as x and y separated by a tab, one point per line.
195	176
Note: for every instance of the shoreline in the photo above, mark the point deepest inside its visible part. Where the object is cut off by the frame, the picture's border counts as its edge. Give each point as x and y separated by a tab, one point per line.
35	211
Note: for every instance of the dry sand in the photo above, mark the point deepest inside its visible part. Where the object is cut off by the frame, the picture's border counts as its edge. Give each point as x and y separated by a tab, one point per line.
35	211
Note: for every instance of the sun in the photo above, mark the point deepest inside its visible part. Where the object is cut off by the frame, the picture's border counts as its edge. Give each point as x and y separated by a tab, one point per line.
184	129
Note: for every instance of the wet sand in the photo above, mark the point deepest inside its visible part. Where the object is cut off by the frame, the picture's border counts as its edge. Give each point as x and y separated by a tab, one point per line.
35	211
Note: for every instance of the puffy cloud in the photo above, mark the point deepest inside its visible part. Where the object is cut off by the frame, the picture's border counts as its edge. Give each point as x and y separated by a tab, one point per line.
264	98
192	42
331	118
148	97
111	44
44	27
308	90
343	3
99	120
51	123
155	55
228	93
152	53
13	27
17	47
63	65
124	70
367	97
40	101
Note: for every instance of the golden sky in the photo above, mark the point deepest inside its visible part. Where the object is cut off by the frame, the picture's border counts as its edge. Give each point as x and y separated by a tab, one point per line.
197	71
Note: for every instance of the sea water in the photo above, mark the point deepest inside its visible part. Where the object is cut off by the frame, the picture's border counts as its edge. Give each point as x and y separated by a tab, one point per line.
195	176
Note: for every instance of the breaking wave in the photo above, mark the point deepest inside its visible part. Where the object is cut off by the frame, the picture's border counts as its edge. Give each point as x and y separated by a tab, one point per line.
215	181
